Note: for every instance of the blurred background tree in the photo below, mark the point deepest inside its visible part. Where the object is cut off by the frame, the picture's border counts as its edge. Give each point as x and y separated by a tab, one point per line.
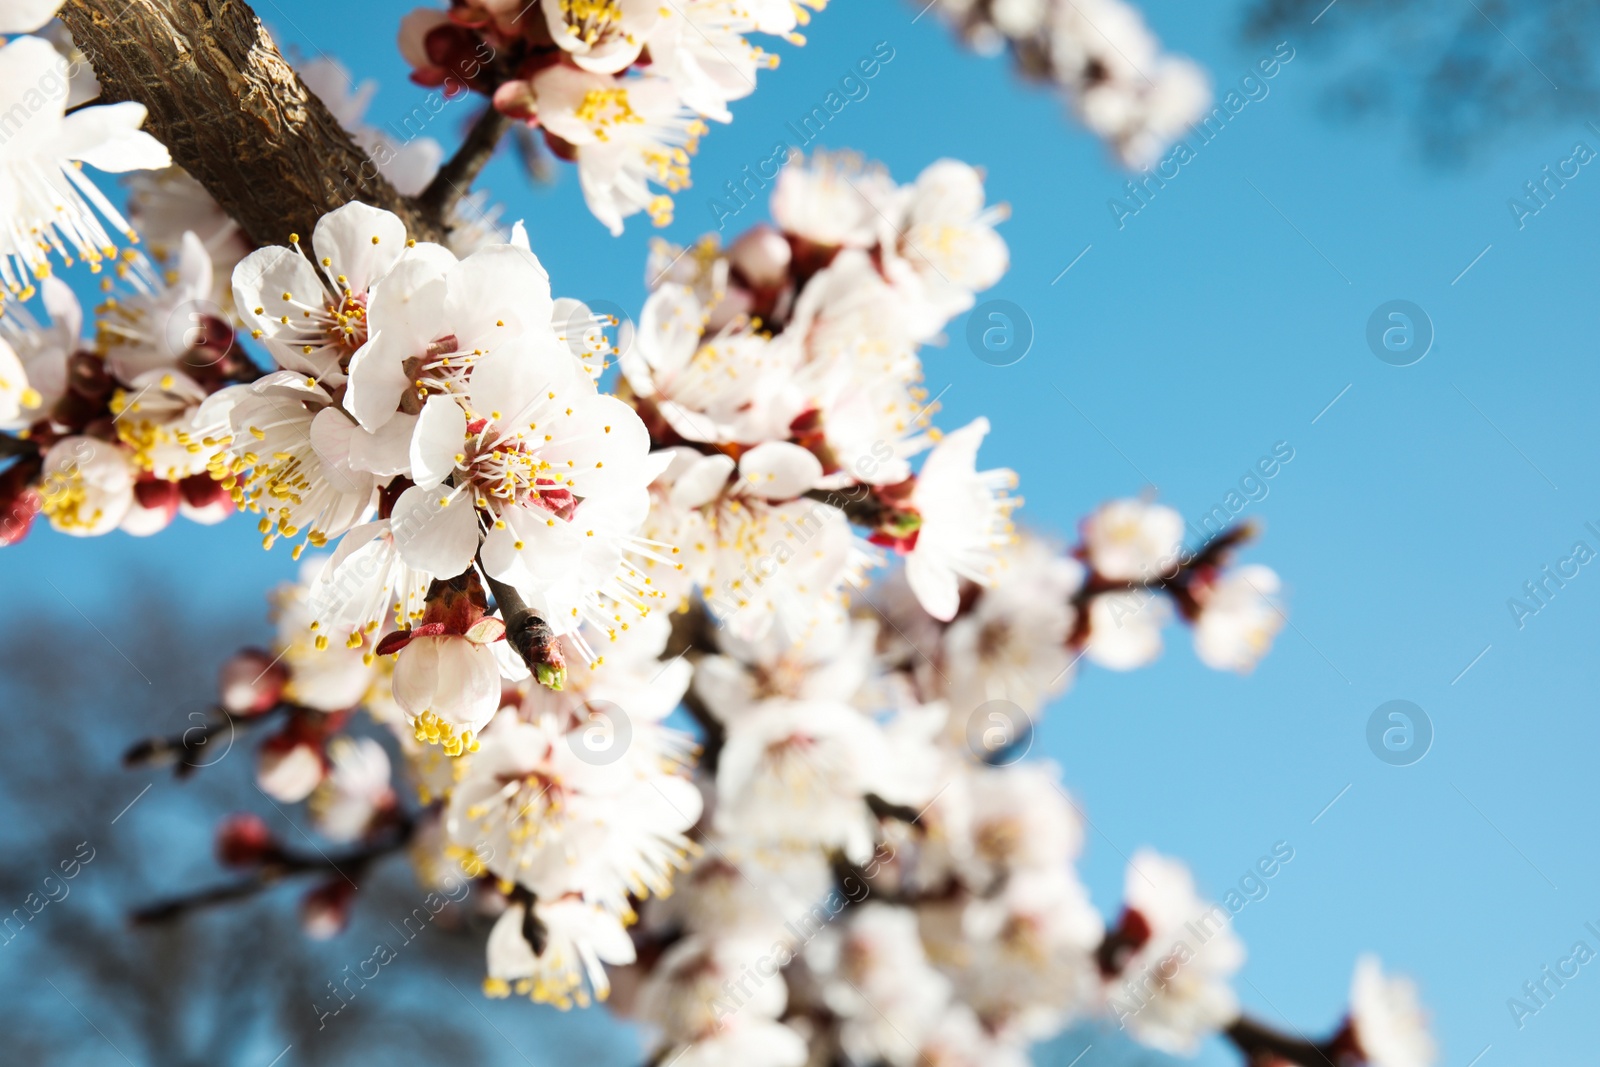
1459	75
234	984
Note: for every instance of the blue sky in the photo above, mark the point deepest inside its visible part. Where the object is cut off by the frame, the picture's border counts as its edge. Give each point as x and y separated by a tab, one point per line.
1220	320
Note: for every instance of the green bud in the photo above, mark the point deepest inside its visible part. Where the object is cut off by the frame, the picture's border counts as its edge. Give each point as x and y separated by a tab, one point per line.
551	676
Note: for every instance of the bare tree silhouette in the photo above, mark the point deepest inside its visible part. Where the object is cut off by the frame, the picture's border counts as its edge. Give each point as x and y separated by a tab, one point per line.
237	985
1460	74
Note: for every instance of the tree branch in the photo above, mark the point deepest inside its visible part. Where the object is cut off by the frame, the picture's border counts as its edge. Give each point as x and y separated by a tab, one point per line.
17	446
281	866
455	178
182	749
858	503
232	112
883	809
1178	585
1261	1044
530	635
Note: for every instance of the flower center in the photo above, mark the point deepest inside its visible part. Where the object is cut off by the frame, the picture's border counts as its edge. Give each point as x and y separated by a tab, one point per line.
346	323
64	495
602	109
590	20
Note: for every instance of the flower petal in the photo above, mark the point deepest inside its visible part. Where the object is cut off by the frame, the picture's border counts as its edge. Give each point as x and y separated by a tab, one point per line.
702	482
495	293
936	587
387	451
404	315
361	243
599	445
436	530
441	429
778	470
108	137
25	16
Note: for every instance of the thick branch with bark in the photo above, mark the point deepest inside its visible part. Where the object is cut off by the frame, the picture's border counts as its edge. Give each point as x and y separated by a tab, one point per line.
233	113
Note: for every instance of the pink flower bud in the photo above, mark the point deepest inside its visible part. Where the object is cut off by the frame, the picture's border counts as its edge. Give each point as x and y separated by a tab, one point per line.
250	683
19	503
325	911
155	505
243	840
761	255
514	99
202	499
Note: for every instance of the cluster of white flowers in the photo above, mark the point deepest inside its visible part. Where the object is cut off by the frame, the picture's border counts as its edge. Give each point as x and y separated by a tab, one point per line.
622	88
434	414
1133	546
115	419
860	863
134	470
636	671
784	375
1107	63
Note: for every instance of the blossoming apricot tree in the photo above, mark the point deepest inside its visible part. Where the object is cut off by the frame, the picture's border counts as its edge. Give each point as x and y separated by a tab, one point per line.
611	586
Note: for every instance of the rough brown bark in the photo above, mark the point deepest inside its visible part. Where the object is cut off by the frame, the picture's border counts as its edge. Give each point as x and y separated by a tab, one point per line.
232	112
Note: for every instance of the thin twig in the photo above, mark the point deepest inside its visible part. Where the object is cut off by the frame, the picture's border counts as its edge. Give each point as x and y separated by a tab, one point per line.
191	742
1260	1043
455	178
528	634
861	508
281	866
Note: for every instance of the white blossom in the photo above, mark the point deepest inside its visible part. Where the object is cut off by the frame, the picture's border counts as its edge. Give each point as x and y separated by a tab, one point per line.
1174	988
965	519
1386	1014
87	486
1132	540
632	136
1239	619
450	685
578	940
51	207
560	822
356	789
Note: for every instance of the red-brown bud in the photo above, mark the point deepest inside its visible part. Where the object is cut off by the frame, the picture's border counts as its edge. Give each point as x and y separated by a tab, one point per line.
243	840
